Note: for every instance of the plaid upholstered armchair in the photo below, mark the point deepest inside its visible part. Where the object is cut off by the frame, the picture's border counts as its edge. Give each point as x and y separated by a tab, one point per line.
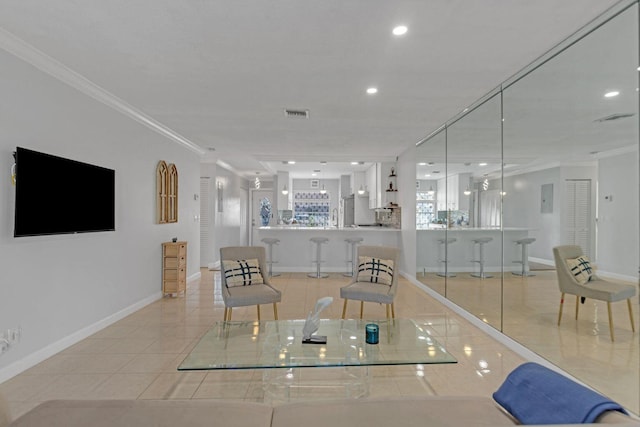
376	279
245	280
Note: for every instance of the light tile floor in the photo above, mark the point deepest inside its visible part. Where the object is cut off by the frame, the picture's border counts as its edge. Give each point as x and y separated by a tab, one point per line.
137	357
582	348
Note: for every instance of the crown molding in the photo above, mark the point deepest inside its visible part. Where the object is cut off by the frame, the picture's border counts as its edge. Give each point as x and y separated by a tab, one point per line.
20	49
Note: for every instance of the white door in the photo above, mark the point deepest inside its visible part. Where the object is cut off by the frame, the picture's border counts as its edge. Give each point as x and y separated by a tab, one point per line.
578	214
260	198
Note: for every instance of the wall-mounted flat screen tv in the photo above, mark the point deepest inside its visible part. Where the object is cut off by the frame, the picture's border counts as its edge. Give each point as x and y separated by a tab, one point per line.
55	195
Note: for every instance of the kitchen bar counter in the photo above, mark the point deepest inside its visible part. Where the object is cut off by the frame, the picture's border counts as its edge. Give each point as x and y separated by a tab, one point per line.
295	252
307	228
461	253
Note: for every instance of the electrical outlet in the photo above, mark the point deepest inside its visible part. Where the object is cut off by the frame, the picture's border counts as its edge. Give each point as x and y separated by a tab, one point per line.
9	338
14	335
4	346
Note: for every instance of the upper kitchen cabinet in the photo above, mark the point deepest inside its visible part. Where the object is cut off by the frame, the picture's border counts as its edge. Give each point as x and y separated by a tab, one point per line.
382	184
451	192
359	184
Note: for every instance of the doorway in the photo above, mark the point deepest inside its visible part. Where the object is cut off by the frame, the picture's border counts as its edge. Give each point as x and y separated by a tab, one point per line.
261	206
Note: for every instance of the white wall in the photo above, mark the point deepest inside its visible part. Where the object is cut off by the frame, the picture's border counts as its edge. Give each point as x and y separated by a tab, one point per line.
226	226
406	171
59	288
617	248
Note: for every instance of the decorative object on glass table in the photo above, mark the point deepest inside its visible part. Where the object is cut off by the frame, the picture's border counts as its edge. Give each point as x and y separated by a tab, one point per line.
371	333
313	322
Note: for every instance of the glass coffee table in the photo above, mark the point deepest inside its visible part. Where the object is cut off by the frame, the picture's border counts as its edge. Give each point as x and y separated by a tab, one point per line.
276	347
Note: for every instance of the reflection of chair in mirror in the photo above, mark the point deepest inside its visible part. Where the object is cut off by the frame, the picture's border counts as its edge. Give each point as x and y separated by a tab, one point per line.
442	260
481	241
245	282
376	279
525	256
594	288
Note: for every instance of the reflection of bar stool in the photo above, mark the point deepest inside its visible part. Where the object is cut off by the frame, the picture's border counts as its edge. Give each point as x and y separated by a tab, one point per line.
270	241
525	256
443	256
353	241
481	241
318	241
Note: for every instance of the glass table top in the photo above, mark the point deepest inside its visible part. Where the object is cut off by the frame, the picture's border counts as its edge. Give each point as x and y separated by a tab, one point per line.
278	344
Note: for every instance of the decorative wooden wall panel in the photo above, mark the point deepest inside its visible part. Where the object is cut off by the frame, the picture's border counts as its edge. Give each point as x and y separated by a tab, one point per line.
167	192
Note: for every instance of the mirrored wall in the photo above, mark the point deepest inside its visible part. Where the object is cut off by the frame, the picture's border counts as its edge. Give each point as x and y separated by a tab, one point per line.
549	158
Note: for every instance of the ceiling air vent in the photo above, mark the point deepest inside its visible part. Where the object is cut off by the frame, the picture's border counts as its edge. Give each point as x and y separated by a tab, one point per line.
301	114
614	117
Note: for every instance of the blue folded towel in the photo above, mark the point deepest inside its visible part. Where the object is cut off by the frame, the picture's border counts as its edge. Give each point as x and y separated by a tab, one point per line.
534	394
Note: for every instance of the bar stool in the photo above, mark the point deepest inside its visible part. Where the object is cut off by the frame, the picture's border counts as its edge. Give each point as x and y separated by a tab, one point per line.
318	241
481	241
270	241
443	256
353	241
525	242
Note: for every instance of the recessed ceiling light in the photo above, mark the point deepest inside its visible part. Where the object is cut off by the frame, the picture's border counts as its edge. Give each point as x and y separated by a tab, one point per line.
427	175
354	163
482	164
422	164
400	30
314	174
372	90
291	162
611	94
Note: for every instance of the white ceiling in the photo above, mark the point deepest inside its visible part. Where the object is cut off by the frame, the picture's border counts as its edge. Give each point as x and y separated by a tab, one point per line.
219	74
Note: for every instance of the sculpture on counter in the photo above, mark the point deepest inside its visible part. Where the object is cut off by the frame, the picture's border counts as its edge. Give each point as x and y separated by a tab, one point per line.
313	322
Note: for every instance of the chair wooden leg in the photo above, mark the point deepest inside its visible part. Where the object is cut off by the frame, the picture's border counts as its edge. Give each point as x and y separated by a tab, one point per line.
226	310
393	311
344	308
577	305
228	319
610	320
561	305
258	307
633	324
361	308
387	309
275	311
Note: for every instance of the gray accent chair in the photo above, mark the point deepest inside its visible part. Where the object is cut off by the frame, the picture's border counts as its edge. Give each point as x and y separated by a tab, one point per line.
596	288
242	296
373	292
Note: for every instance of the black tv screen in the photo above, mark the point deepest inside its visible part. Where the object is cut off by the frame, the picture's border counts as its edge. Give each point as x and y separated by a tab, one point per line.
55	195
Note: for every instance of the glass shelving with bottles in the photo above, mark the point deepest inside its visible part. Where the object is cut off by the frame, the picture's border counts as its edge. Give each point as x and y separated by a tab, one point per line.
426	212
311	208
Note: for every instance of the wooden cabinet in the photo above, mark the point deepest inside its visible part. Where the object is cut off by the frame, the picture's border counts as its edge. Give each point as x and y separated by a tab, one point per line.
174	267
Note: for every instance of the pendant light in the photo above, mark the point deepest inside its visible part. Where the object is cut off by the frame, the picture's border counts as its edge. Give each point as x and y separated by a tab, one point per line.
285	190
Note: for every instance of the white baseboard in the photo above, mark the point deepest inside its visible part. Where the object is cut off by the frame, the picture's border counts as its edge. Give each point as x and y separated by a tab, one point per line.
33	359
543	261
